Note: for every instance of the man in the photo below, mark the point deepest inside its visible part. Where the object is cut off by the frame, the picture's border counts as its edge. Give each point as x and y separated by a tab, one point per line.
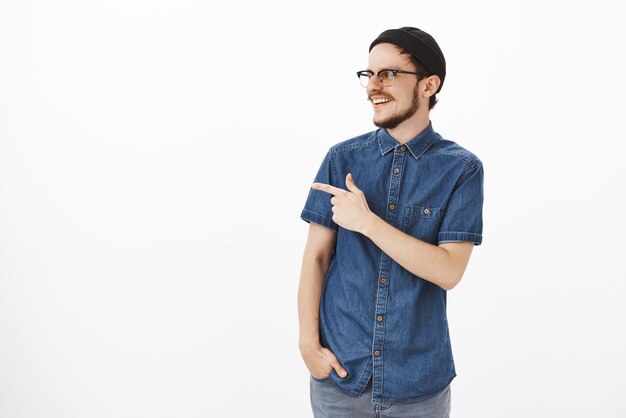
394	215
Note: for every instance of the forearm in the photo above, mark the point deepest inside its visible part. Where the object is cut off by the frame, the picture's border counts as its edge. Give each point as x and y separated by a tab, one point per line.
430	262
309	295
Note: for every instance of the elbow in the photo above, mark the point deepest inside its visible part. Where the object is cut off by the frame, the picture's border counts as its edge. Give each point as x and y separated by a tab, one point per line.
448	286
452	275
450	282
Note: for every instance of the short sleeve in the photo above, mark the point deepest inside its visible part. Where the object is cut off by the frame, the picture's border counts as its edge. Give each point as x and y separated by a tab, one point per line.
463	218
318	208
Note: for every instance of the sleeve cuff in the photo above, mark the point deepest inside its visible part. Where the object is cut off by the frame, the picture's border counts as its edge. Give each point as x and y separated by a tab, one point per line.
477	239
310	216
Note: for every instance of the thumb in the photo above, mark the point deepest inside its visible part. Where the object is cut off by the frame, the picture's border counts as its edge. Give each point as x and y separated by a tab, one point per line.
350	183
334	363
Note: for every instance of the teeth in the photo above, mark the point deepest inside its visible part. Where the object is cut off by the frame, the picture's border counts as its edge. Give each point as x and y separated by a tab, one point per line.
378	101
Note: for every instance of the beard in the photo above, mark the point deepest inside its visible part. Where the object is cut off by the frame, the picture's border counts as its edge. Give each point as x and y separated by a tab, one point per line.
395	120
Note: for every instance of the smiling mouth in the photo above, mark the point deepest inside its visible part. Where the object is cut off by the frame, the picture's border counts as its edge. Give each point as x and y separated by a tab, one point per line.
379	101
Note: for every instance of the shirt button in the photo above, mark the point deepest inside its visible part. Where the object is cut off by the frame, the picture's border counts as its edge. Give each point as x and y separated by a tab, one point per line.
403	148
377	353
392	206
426	211
383	280
379	318
396	170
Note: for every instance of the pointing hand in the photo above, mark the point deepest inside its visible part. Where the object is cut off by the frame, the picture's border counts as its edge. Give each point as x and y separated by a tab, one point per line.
350	209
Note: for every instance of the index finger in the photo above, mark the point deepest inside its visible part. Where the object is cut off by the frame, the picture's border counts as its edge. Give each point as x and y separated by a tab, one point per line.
327	188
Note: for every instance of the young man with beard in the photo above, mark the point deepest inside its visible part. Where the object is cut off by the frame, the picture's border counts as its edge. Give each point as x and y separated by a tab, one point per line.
394	215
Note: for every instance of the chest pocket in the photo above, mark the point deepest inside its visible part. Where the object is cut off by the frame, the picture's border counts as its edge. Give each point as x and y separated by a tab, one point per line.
423	222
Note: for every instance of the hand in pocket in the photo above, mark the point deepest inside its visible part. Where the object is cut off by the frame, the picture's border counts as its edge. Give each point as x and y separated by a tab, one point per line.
321	362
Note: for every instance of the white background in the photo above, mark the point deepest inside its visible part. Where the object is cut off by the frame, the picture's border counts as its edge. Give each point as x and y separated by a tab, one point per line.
155	157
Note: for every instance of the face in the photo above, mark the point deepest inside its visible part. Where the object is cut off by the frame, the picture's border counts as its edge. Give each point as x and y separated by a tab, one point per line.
398	102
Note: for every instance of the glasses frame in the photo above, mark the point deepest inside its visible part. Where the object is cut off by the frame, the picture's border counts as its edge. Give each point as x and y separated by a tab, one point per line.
393	71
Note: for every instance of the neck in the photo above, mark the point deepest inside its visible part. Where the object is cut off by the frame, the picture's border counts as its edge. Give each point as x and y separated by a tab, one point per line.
411	127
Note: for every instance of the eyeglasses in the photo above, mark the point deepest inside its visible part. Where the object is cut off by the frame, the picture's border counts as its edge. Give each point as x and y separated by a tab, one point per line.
385	76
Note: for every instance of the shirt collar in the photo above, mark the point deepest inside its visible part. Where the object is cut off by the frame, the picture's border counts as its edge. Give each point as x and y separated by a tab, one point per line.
417	146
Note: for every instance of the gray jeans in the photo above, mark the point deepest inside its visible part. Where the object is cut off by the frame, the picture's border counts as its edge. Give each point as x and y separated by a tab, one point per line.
328	401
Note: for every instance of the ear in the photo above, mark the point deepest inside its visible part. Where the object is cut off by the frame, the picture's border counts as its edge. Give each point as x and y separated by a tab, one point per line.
431	85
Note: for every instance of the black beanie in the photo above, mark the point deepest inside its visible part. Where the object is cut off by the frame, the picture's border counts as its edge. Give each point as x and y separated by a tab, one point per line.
419	44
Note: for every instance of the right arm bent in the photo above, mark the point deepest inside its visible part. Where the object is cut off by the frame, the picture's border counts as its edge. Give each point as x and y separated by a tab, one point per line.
319	247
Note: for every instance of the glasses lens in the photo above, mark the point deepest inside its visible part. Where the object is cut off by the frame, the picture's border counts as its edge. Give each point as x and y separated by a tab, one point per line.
386	77
364	78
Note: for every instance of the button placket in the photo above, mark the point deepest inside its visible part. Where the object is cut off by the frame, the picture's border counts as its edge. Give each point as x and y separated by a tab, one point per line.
399	156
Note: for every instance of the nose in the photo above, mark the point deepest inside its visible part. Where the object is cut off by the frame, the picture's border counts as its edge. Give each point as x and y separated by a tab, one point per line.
373	85
375	79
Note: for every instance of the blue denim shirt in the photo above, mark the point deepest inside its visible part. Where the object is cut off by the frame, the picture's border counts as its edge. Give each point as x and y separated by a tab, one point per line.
380	320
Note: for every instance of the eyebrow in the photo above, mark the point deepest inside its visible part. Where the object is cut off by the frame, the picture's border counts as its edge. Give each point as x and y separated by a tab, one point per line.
383	68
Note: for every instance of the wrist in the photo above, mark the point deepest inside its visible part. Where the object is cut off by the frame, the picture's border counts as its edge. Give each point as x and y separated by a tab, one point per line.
307	345
369	224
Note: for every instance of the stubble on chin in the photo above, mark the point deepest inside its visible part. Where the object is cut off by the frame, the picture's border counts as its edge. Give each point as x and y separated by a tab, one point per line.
395	120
